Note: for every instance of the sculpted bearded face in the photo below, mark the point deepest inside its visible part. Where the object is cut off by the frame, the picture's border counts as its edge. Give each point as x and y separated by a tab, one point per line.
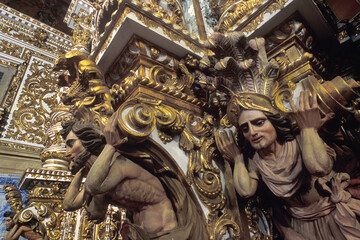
77	153
9	223
257	129
74	148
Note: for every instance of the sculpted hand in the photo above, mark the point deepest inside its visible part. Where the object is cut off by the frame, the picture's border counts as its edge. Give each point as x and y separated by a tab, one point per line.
16	218
225	142
111	132
309	116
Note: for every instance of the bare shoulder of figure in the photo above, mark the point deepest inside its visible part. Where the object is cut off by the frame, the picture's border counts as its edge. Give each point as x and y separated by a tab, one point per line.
126	167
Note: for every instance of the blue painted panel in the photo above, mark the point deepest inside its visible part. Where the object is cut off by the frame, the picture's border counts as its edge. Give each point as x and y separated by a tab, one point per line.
4	206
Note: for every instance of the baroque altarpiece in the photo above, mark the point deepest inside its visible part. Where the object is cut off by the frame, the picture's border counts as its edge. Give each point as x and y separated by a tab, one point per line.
167	69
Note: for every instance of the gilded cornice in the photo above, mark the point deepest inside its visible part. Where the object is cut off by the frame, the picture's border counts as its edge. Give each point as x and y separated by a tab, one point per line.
144	69
20	146
8	64
134	9
35	176
10	48
72	8
133	54
246	16
32	31
153	81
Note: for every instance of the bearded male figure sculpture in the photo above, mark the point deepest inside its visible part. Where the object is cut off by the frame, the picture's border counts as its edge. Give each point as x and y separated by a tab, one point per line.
102	157
15	229
112	176
296	169
312	202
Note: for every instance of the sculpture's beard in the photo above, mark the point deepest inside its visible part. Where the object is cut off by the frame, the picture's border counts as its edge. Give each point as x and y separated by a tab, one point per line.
8	228
80	161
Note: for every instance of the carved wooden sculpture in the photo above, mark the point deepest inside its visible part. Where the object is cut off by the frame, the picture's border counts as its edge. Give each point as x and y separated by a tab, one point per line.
117	176
21	221
297	167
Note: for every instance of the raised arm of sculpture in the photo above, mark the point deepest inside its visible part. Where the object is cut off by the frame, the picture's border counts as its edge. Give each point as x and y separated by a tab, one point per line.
313	149
12	226
74	198
108	171
16	229
244	184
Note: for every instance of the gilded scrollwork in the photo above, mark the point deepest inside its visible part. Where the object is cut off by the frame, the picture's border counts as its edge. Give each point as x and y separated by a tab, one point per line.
222	224
234	14
13	197
34	105
86	226
139	118
88	94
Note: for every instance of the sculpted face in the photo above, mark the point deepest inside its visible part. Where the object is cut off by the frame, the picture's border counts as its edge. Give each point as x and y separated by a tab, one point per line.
257	129
9	223
74	147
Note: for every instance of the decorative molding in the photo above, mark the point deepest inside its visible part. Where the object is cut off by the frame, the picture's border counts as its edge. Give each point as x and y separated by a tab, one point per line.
19	24
20	146
245	16
131	10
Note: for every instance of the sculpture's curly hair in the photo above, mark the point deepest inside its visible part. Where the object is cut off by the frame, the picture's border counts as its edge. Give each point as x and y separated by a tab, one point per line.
284	130
9	214
91	138
89	134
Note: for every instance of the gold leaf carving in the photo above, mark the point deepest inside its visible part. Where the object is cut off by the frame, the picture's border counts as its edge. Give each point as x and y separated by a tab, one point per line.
222	224
10	48
237	13
138	119
251	26
33	114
